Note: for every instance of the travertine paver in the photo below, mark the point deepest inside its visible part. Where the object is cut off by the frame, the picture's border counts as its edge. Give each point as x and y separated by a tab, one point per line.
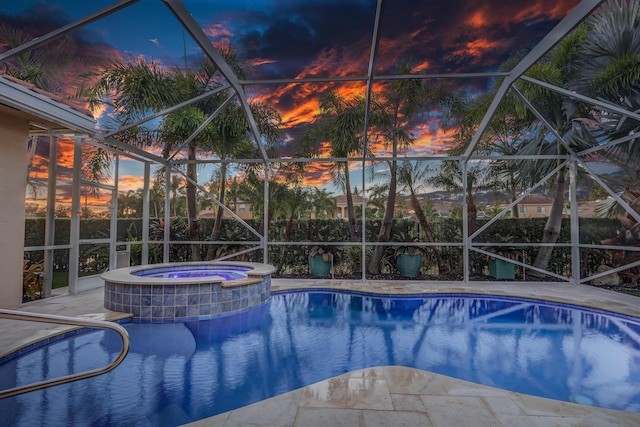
446	411
323	417
397	419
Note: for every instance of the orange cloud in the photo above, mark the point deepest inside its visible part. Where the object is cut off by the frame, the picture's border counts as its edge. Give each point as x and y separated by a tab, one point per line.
542	10
129	182
302	99
261	61
317	174
218	30
476	48
477	19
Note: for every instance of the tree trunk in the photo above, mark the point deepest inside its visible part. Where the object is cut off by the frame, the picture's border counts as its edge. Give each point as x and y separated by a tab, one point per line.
422	219
515	212
288	231
351	213
387	222
472	214
552	227
192	211
217	225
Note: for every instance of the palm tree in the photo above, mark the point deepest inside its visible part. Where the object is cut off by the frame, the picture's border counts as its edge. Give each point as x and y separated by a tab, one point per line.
341	121
251	190
502	136
412	176
450	177
230	138
137	88
611	71
569	119
295	199
377	198
44	67
323	205
405	99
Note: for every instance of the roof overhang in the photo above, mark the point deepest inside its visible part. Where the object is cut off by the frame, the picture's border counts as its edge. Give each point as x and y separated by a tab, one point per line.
21	101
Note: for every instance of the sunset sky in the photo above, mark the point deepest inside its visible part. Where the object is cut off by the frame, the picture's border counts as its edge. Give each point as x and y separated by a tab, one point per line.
311	38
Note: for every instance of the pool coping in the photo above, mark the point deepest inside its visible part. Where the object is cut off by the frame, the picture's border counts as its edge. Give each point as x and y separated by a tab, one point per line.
123	275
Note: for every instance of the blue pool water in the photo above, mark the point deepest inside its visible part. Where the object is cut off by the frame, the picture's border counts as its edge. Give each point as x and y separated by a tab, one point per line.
177	373
213	271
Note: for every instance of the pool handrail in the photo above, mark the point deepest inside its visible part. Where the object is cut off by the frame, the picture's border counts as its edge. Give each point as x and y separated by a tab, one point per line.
65	320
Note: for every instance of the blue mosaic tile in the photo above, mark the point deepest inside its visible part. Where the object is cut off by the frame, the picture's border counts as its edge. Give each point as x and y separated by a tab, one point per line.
168	312
193	311
156	312
145	312
174	303
216	308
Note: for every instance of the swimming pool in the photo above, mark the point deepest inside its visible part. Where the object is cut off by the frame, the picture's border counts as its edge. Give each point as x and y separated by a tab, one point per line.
180	372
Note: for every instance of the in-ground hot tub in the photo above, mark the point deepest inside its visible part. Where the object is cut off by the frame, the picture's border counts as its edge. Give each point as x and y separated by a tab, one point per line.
183	291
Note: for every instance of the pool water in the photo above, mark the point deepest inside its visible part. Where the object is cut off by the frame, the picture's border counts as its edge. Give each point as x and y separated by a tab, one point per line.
213	271
178	373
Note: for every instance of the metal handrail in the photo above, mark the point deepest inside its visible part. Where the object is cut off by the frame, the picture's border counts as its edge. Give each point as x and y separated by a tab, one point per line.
64	320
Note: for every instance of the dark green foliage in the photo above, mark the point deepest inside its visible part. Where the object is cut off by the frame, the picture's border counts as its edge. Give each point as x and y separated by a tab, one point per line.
294	260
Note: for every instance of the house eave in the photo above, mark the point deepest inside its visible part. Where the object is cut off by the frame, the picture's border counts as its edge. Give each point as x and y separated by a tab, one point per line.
61	117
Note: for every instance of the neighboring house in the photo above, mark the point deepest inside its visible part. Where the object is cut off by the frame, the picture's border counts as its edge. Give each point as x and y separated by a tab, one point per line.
341	205
538	206
243	209
535	206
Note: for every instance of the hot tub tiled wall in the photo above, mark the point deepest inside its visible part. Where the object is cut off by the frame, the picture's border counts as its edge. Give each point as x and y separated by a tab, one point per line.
181	302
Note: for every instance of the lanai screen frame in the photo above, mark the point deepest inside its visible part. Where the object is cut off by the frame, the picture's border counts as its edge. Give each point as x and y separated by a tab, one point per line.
576	16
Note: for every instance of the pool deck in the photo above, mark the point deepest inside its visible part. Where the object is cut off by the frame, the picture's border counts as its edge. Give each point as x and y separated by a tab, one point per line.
386	395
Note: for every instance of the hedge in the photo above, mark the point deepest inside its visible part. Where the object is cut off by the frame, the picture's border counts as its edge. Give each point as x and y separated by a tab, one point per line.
291	259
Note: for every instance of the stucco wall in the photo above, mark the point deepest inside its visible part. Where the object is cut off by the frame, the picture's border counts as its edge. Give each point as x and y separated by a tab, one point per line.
13	177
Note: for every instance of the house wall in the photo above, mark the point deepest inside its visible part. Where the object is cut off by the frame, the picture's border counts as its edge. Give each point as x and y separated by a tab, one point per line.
13	178
532	211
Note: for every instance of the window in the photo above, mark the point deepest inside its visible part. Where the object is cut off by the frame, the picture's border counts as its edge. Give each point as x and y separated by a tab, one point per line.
542	210
522	209
241	207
